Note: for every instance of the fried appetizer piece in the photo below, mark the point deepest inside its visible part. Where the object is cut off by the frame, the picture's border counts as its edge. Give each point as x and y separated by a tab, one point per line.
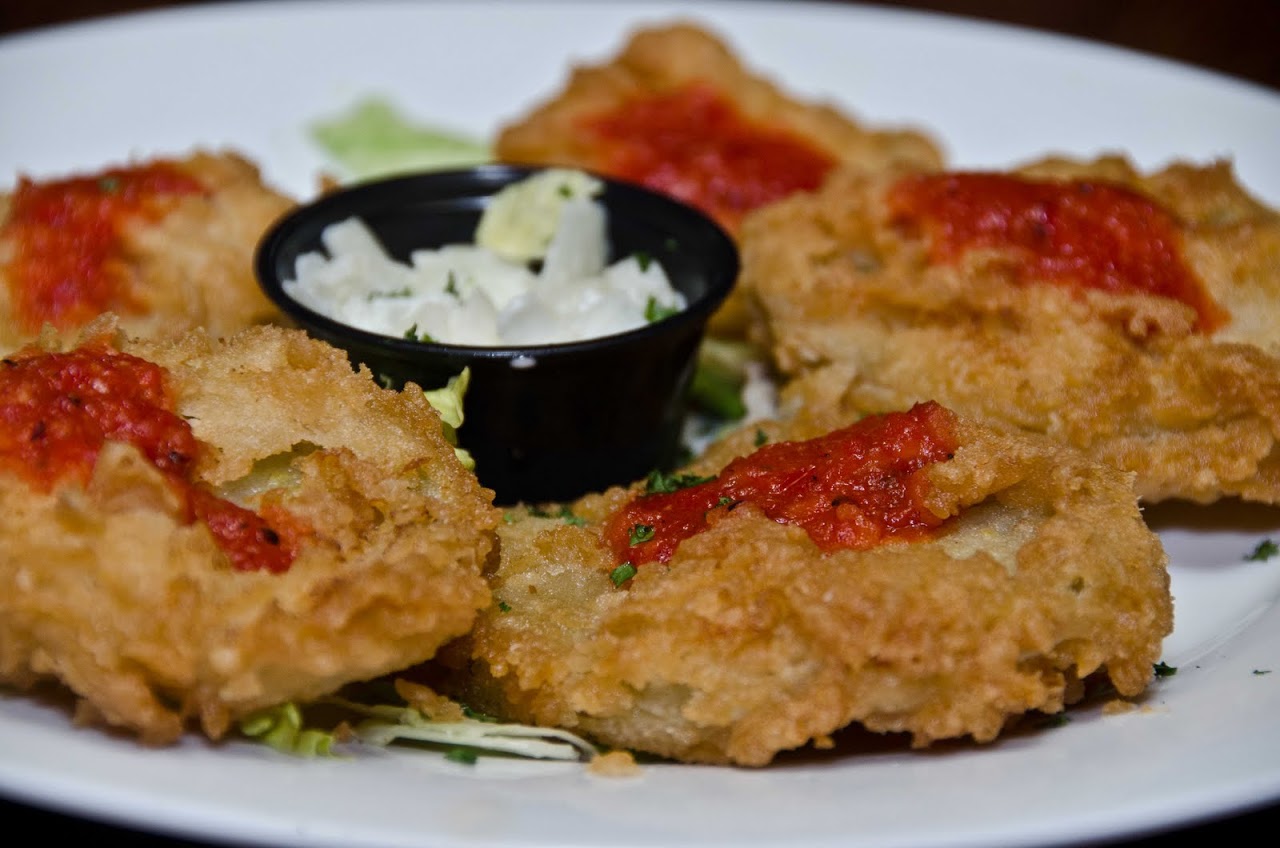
914	572
1131	315
194	529
677	111
166	244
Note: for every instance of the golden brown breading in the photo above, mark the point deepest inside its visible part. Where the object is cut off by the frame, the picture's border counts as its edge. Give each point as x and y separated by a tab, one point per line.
670	59
184	262
751	641
111	589
852	308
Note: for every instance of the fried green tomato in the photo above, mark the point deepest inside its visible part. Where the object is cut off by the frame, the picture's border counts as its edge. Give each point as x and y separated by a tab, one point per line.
676	110
914	573
1131	315
195	529
166	244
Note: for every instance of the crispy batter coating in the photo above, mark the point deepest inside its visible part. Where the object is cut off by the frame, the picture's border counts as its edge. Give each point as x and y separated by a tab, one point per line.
852	309
751	641
112	591
663	59
191	267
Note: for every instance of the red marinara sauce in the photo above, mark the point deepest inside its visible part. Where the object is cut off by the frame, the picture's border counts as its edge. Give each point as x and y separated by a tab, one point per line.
853	488
693	144
1091	235
68	264
57	410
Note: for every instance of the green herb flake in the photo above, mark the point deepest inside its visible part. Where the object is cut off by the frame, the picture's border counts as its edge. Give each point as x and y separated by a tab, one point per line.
641	533
108	185
660	483
413	335
1265	550
654	311
564	513
451	286
466	756
378	295
503	606
476	715
569	518
762	438
1258	672
643	259
622	573
1164	670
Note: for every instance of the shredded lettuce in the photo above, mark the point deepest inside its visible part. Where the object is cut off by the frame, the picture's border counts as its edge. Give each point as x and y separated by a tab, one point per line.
281	728
384	725
381	725
448	402
373	139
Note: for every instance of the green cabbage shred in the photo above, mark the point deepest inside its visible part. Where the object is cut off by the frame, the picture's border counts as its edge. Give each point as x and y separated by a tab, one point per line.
374	139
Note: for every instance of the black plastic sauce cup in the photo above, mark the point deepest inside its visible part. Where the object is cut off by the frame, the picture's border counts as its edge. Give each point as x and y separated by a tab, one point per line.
543	422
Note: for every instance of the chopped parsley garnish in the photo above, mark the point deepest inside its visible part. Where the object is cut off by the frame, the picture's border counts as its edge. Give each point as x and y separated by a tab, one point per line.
761	437
641	533
400	292
654	311
476	715
466	756
451	286
1265	550
108	185
643	259
622	573
503	606
1164	670
1258	672
564	513
413	335
659	483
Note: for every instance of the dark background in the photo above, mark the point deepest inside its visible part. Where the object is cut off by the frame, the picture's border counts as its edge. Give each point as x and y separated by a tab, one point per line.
1236	37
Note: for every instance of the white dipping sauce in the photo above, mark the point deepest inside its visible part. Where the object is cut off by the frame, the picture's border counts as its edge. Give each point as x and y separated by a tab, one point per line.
485	294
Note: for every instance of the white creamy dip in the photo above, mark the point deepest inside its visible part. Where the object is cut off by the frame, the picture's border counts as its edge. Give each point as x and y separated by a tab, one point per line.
485	294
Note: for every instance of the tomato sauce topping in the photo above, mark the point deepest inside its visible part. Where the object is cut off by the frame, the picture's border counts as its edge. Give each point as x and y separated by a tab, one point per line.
68	264
57	410
693	144
1090	235
853	488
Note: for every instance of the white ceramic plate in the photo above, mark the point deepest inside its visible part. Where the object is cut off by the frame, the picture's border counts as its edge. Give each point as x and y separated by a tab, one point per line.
254	75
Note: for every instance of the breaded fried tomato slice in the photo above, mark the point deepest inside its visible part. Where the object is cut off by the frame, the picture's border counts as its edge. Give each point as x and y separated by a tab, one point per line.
677	111
1133	315
193	529
166	244
915	572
